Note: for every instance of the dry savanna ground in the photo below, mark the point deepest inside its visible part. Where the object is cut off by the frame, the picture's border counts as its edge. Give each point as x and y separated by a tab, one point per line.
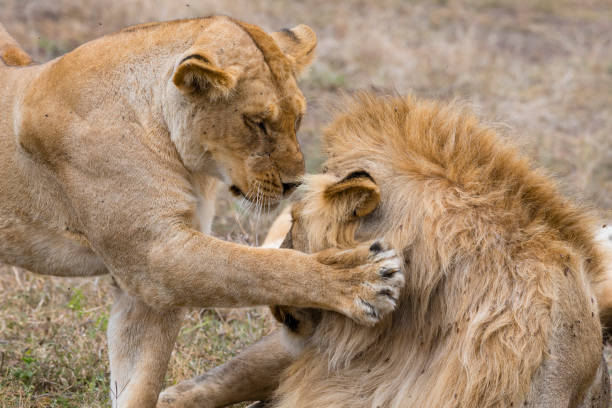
541	70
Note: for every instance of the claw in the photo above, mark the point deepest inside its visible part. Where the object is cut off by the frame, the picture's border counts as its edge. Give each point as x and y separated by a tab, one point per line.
376	247
387	292
387	272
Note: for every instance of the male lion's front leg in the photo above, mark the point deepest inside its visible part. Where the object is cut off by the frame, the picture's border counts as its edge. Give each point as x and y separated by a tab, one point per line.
252	375
140	341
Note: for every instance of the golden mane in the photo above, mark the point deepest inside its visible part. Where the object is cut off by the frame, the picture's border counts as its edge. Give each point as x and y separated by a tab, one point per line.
490	245
447	143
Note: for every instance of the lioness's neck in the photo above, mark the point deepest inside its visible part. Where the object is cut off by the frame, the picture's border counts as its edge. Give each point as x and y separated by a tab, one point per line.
130	68
124	76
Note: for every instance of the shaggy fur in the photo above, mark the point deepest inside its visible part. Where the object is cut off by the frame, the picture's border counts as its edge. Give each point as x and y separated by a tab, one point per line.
498	308
496	263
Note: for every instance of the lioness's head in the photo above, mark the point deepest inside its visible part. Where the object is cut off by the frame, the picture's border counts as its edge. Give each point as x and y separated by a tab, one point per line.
237	106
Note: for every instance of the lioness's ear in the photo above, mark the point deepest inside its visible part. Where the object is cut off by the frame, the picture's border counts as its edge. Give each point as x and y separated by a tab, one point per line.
297	43
197	72
356	195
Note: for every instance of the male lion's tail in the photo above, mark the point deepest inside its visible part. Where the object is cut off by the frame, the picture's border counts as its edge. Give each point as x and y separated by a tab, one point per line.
10	52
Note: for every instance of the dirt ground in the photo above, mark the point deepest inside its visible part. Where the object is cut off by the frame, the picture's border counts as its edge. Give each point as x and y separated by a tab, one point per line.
540	69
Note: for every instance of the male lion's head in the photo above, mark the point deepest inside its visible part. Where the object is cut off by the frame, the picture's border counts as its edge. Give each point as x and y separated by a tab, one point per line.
237	107
332	212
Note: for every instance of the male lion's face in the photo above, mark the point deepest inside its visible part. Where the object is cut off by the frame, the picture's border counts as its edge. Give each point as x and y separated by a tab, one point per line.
333	212
241	109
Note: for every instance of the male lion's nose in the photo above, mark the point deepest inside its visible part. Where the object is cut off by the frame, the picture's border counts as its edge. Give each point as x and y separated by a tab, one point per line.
288	188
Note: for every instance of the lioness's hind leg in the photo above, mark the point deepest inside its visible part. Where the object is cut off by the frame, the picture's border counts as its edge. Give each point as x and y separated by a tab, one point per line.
140	341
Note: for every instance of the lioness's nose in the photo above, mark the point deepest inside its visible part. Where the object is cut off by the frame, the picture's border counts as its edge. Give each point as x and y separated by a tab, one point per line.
289	188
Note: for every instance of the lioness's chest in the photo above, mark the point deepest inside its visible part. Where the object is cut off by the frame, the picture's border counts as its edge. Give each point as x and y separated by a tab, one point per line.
206	198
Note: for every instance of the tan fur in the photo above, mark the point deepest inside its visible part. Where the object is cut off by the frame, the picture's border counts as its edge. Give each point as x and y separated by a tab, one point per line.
279	229
498	308
10	52
110	157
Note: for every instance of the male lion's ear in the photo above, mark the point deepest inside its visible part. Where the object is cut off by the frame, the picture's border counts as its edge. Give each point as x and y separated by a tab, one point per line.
356	195
197	72
297	43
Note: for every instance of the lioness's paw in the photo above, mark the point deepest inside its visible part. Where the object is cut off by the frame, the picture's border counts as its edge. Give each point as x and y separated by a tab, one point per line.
373	273
167	399
259	404
381	290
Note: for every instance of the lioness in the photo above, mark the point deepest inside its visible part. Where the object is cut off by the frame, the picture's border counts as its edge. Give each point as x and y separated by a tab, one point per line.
110	158
498	308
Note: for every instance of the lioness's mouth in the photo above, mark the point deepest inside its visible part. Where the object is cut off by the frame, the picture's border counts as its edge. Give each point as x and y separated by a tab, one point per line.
266	201
236	191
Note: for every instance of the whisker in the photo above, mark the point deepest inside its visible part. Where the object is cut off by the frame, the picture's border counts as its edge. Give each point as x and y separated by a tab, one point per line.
249	198
238	221
244	205
259	207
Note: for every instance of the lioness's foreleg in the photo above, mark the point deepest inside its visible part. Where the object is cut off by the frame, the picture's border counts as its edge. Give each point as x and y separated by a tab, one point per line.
146	333
252	375
140	341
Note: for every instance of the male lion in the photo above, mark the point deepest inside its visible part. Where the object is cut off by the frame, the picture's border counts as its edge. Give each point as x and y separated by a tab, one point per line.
109	161
498	308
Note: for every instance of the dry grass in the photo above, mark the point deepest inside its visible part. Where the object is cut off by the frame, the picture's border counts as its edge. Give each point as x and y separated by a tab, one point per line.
53	346
542	69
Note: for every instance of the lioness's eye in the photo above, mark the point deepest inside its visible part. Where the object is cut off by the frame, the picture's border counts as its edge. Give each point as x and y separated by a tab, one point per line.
254	123
262	127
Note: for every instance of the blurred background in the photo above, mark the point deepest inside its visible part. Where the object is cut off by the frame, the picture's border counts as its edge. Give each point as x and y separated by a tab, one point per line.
541	70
